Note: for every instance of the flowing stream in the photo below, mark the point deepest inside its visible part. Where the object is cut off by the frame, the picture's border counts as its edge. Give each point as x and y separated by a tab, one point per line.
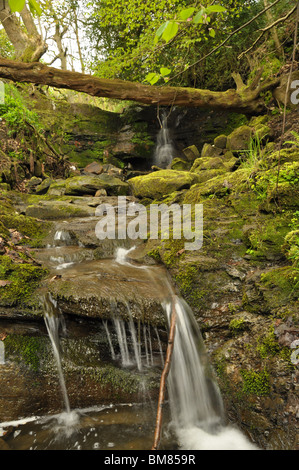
196	416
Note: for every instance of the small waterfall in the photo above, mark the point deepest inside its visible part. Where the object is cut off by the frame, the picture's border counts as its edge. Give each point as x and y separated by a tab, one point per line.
195	401
194	397
109	340
62	236
53	324
160	345
121	255
164	150
123	342
136	343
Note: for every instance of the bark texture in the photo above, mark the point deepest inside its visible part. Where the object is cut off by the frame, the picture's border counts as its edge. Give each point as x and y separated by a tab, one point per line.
245	100
28	43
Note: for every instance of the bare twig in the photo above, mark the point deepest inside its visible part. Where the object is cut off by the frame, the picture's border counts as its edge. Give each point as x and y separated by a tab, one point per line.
227	39
267	28
287	94
164	375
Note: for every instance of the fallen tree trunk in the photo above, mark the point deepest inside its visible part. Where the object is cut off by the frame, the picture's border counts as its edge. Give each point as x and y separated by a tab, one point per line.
245	100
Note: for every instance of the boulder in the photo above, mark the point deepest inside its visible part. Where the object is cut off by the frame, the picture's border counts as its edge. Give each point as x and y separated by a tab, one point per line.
44	186
239	139
32	184
57	188
94	168
209	150
220	141
191	153
162	182
80	185
180	164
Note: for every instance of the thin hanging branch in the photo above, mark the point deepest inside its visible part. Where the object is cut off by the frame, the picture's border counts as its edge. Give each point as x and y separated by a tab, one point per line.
286	96
267	28
164	375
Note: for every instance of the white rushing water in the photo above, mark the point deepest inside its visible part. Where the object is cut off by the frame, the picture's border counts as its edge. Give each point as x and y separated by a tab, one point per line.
121	255
196	404
164	151
53	323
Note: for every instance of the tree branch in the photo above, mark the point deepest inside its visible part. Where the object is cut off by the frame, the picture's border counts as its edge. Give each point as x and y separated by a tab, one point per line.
267	28
246	101
164	375
227	39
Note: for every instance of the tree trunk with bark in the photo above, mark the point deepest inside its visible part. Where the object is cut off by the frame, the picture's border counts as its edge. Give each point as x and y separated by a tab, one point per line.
28	43
245	99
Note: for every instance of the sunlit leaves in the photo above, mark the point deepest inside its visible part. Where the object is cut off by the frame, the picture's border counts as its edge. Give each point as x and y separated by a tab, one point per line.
35	7
186	14
170	28
18	5
198	18
215	9
153	78
167	31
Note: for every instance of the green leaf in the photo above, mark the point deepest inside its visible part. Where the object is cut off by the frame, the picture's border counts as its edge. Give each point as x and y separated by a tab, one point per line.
185	14
198	17
215	9
212	33
152	78
35	6
165	71
161	29
16	5
170	31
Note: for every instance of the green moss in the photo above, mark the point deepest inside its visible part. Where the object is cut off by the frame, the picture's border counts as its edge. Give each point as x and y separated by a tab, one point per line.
268	347
160	183
24	279
24	348
119	379
236	325
282	283
255	383
27	226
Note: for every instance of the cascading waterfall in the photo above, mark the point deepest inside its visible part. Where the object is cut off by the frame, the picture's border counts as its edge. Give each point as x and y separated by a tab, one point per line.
53	323
196	404
194	397
164	150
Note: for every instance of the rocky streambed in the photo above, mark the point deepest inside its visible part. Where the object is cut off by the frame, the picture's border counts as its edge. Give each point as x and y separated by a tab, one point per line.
241	284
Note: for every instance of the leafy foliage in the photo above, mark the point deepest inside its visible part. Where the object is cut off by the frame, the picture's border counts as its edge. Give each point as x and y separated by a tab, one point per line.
18	5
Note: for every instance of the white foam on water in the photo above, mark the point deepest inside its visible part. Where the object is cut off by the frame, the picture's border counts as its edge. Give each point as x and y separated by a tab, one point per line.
226	438
121	255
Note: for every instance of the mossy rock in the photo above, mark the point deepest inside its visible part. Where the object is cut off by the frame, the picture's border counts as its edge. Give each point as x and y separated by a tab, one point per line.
191	153
272	159
161	183
54	210
220	141
81	185
239	139
44	186
209	150
219	186
57	188
180	165
23	279
285	195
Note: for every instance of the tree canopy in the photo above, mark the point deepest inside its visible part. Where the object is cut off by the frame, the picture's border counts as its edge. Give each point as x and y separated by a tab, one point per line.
200	45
